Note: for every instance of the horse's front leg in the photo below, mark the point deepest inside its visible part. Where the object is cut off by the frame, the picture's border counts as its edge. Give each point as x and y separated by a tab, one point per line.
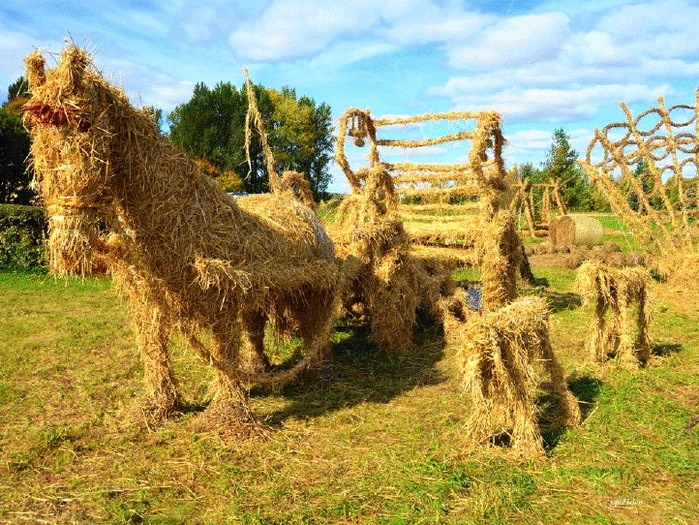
161	400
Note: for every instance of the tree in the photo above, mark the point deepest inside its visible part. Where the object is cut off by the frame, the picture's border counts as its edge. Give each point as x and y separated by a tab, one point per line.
561	163
15	177
211	127
156	114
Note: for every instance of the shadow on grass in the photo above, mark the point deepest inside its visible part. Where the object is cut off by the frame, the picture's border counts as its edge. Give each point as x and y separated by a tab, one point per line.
558	301
665	349
586	389
359	372
540	281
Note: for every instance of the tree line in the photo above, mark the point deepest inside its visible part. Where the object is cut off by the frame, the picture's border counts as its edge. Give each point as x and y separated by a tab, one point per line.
211	128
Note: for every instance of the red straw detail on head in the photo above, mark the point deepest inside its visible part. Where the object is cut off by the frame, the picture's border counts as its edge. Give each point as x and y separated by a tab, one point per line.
45	114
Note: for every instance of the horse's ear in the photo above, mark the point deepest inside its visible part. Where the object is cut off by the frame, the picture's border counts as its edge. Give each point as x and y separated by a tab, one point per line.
35	65
72	64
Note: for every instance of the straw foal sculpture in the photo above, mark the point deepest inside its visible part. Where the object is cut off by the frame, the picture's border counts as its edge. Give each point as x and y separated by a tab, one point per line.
185	255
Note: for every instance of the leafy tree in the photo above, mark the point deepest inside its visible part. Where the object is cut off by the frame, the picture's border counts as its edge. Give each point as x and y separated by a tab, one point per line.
642	174
156	114
211	127
561	163
18	89
528	171
14	148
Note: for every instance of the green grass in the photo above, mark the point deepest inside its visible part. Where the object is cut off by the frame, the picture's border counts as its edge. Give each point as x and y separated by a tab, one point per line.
375	442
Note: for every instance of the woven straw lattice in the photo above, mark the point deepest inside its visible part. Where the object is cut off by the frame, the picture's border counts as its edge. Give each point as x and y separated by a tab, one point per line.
481	176
468	193
665	140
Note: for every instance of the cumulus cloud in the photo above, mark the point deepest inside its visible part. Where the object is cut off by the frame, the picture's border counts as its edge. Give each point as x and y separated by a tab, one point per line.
534	143
436	23
291	29
517	40
550	104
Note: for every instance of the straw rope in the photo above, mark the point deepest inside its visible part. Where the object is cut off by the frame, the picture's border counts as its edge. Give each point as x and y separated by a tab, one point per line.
668	147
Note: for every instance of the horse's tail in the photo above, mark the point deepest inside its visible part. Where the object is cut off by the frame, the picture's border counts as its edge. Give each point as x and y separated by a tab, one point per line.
295	184
253	115
291	182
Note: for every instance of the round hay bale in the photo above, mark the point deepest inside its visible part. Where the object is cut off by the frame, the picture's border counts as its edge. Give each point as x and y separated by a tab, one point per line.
575	230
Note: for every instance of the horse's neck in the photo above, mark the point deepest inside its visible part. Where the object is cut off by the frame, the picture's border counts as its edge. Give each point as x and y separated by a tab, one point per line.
168	206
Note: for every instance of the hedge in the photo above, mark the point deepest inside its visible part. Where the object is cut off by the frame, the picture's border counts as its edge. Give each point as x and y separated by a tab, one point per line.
22	237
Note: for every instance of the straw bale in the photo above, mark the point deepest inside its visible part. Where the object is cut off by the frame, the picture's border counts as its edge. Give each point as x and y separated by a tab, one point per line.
575	230
617	330
497	354
185	254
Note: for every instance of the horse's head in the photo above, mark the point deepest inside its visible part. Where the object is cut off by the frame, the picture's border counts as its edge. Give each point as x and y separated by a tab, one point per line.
71	124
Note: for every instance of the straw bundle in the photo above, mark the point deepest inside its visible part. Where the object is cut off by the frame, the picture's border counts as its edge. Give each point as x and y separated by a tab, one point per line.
183	253
615	292
575	230
497	353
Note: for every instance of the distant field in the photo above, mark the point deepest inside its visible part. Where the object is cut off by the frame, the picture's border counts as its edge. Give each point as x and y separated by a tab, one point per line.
376	442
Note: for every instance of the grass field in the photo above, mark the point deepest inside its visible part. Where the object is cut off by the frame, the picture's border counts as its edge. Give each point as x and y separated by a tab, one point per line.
375	442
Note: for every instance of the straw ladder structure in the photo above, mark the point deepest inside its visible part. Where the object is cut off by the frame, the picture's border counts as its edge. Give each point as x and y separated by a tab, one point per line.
538	213
476	186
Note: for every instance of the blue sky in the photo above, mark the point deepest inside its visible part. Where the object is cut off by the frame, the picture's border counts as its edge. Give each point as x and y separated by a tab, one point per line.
542	64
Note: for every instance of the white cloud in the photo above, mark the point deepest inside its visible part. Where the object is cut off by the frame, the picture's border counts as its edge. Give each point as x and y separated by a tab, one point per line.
597	49
551	104
434	23
534	143
517	40
167	96
291	29
659	29
347	53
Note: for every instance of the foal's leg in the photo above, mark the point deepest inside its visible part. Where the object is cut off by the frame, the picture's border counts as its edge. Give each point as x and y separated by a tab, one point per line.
153	335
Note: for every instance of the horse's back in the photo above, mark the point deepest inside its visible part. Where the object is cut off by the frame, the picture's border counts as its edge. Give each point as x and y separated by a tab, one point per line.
292	220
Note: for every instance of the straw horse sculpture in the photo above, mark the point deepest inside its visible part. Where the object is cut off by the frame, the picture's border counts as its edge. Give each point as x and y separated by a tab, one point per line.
185	254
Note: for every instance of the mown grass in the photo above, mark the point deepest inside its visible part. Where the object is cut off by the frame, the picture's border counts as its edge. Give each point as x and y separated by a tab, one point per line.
376	441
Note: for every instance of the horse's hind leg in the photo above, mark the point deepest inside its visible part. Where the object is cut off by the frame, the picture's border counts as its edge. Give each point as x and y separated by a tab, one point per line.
153	335
229	412
317	323
252	358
